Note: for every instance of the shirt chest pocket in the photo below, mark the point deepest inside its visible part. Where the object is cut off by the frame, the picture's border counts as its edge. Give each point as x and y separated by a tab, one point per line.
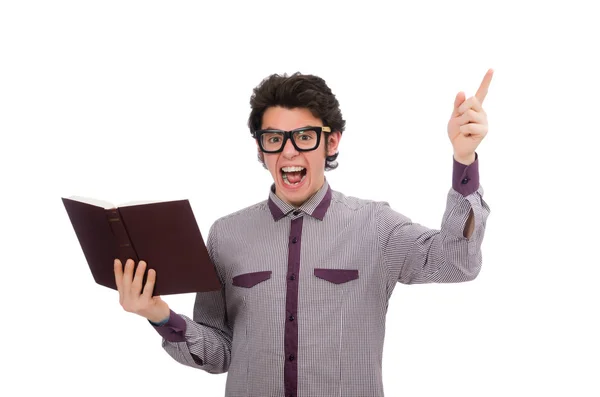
249	280
330	296
336	276
246	290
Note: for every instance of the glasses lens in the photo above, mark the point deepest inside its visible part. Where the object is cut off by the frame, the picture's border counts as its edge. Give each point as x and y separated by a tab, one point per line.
306	140
271	141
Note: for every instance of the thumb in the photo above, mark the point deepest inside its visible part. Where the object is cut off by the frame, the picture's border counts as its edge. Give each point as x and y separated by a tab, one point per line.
460	98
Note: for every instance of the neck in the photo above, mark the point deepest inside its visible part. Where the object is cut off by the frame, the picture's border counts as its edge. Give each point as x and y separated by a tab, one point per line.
299	204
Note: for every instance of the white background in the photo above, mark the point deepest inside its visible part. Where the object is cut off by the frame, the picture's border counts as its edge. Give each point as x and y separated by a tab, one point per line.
128	100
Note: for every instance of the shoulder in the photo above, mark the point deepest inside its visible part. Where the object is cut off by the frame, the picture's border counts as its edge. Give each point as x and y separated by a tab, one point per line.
352	203
250	213
378	210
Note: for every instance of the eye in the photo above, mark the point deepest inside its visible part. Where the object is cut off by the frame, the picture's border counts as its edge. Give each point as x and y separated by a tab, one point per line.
305	135
272	138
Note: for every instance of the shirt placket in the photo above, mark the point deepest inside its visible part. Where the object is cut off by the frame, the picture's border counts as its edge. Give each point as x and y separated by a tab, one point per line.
291	305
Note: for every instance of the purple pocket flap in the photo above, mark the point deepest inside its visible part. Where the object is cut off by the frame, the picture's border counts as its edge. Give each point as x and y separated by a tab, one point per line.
249	280
337	276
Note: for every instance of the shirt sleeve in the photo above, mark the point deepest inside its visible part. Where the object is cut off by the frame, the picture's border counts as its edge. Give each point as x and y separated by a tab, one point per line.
203	342
416	254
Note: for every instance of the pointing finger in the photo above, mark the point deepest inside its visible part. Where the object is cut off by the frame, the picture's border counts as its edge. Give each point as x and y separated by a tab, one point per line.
485	84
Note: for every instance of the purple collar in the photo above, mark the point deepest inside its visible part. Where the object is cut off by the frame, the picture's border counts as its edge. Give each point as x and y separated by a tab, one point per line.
316	206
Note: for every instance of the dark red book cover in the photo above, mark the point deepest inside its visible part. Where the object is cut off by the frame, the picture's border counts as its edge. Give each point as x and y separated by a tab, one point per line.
163	234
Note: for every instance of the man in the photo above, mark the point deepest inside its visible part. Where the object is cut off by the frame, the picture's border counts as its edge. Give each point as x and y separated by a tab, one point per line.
307	273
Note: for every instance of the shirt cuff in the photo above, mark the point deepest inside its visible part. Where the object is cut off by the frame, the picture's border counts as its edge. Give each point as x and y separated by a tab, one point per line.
174	329
465	178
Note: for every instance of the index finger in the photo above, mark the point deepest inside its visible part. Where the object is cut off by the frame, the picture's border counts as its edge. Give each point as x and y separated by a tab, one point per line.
485	84
118	273
119	277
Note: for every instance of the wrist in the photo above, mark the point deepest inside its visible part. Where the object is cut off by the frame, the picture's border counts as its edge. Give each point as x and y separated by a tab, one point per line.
466	160
160	323
160	318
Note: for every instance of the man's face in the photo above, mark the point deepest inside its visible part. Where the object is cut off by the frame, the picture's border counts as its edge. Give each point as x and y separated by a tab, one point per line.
295	187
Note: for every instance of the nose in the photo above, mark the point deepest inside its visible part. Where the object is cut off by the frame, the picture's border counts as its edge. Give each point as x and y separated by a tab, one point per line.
289	151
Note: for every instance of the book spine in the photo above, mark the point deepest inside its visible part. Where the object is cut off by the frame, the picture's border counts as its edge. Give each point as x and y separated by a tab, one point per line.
125	248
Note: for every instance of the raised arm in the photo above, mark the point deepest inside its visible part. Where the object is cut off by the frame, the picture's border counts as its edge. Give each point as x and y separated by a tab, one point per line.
415	254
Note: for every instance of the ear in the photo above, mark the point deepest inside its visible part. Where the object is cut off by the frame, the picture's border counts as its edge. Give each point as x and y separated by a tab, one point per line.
259	153
333	142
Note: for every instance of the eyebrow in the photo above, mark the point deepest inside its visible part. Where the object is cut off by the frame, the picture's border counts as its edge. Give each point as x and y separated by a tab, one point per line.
278	129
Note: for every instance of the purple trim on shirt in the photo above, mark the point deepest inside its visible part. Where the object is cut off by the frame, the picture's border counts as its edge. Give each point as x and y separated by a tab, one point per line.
249	280
174	329
465	178
337	276
321	209
316	206
275	210
290	369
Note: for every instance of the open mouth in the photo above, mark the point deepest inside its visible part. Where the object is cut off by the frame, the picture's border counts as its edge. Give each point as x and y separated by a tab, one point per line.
293	176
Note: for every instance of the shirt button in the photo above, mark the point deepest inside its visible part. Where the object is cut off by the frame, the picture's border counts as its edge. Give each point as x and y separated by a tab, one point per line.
297	212
465	181
291	357
294	240
293	277
291	317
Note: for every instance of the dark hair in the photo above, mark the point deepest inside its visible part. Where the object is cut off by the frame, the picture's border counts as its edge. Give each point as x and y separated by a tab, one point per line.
297	91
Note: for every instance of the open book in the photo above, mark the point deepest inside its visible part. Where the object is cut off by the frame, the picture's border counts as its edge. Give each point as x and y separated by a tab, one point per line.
163	234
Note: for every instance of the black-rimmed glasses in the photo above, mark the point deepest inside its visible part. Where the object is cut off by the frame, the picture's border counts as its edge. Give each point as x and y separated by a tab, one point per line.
304	139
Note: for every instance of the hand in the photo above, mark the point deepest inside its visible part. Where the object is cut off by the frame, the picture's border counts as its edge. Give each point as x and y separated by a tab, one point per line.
131	297
468	123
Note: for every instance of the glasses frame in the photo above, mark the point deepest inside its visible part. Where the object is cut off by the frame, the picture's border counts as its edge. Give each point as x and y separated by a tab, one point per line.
287	135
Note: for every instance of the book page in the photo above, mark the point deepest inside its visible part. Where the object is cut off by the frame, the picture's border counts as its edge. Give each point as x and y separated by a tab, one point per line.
88	200
138	202
108	205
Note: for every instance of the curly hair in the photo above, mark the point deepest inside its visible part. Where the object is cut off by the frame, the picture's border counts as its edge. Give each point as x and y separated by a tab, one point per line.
297	91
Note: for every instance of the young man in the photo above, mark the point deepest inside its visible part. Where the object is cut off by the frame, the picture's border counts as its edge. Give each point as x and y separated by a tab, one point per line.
307	273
